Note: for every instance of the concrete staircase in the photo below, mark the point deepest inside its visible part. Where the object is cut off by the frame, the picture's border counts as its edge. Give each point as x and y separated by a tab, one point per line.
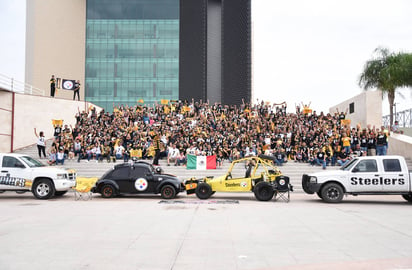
94	169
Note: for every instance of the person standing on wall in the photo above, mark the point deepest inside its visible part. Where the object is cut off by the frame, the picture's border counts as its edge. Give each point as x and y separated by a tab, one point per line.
41	143
76	90
52	86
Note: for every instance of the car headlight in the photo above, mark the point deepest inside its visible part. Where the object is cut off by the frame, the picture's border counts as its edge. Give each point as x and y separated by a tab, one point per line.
313	180
61	176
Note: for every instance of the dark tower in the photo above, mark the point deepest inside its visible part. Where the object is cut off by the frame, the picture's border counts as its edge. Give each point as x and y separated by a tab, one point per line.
215	50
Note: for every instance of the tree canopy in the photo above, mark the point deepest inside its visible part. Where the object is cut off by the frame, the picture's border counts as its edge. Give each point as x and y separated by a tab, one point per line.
387	71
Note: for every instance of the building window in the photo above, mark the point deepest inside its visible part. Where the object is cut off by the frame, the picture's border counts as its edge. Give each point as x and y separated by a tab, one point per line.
132	51
352	107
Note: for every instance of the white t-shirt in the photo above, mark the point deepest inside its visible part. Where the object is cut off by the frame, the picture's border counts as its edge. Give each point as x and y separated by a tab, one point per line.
174	153
119	150
60	155
41	141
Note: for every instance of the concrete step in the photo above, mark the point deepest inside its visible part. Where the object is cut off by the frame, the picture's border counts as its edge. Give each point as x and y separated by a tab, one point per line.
97	169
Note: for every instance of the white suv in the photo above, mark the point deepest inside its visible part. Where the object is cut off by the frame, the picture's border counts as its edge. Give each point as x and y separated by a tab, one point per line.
22	173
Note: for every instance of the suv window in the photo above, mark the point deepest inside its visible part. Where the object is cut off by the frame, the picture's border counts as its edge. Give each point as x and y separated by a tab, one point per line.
368	165
11	162
120	173
392	165
139	171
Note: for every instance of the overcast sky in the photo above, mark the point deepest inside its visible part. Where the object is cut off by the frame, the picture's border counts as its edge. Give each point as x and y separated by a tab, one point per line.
303	51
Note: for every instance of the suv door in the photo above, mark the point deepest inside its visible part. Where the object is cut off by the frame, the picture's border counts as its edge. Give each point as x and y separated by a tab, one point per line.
365	177
394	179
12	168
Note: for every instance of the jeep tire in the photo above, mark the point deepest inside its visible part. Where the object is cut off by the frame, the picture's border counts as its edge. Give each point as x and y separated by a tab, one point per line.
263	191
203	191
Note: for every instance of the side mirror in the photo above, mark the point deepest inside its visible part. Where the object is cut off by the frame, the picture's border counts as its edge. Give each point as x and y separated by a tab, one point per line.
355	170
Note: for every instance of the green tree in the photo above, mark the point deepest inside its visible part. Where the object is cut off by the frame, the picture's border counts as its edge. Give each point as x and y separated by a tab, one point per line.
387	71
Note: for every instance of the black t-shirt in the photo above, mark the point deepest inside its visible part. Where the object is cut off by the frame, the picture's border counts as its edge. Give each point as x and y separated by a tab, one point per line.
371	143
364	142
343	155
381	139
57	131
320	155
76	86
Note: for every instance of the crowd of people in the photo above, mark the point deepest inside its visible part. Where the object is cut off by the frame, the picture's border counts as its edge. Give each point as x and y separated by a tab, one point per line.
174	130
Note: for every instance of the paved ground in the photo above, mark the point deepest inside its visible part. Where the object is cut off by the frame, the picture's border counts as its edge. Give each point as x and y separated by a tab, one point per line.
229	231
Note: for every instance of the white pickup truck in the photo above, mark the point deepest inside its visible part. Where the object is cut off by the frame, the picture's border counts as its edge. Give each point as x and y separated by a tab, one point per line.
373	175
21	173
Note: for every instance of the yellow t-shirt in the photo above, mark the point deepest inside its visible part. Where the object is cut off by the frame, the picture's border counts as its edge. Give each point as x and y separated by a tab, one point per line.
345	141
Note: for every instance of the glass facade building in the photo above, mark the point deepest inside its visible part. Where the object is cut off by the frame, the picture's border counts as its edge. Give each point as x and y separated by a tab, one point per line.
132	51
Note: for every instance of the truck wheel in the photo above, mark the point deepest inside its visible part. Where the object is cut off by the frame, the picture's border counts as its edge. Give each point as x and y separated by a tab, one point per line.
60	193
263	191
203	191
107	191
332	193
43	189
168	192
407	197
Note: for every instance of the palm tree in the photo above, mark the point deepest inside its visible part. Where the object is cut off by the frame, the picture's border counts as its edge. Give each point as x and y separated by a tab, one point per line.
387	72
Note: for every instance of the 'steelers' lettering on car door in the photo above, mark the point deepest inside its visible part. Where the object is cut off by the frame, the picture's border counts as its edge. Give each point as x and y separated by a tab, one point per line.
232	184
13	181
376	181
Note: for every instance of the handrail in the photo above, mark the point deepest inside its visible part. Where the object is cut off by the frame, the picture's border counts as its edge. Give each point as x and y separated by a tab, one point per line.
404	118
17	86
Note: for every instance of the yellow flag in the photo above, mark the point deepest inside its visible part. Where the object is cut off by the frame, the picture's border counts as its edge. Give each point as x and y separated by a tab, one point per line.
166	110
345	122
56	122
164	101
307	110
140	101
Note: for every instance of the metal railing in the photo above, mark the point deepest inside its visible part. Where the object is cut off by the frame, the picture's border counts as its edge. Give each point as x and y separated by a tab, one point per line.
13	85
404	118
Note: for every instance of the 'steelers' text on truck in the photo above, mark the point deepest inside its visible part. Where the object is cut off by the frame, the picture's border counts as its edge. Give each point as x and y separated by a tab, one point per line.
21	173
372	175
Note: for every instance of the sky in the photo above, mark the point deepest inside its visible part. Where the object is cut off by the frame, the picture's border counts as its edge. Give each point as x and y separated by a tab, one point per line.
303	51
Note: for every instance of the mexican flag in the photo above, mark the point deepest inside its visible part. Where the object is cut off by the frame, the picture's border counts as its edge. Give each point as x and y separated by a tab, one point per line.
201	162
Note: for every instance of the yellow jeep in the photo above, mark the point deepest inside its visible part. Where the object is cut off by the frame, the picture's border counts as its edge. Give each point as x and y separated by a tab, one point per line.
255	174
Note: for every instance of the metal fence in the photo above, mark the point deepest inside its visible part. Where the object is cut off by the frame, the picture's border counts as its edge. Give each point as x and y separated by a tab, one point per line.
403	117
13	85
